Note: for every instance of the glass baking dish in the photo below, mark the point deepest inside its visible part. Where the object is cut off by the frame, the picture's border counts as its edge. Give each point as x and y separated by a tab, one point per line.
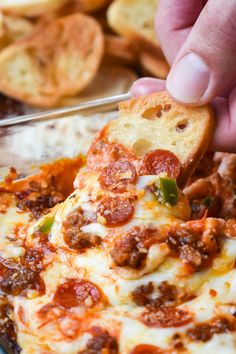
27	147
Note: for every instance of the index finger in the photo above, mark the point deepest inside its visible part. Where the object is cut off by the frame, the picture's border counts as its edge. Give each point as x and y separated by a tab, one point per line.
174	20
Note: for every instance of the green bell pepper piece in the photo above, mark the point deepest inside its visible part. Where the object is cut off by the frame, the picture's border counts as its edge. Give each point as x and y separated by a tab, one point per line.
46	225
167	191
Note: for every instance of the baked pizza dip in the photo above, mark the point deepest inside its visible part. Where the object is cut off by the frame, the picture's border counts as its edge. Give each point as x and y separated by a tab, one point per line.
128	250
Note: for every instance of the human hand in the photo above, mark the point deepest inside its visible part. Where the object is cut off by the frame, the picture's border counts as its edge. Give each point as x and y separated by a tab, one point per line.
198	38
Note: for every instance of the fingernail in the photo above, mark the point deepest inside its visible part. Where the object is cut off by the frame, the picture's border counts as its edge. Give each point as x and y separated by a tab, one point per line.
188	79
145	86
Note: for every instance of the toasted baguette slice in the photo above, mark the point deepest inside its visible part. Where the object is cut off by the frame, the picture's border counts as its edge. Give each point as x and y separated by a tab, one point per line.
30	7
61	59
110	80
156	65
134	19
157	122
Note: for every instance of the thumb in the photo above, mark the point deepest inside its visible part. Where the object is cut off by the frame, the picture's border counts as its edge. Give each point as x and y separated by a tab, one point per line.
205	66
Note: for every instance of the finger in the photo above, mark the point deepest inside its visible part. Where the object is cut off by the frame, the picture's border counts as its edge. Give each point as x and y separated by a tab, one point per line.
147	85
173	23
225	132
205	64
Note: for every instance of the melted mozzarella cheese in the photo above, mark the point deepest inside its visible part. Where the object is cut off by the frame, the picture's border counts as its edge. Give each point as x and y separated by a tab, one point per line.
121	316
96	229
221	343
9	221
38	336
94	265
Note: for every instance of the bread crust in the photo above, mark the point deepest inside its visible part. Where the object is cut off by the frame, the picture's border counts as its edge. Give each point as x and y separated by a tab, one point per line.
61	59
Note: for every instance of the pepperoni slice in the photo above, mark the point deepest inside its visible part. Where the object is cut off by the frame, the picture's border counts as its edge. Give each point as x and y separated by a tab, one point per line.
166	317
148	349
117	175
162	161
75	293
115	211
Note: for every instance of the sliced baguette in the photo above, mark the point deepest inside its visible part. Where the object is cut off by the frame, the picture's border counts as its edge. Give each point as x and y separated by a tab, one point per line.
61	59
134	19
110	80
157	122
30	7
